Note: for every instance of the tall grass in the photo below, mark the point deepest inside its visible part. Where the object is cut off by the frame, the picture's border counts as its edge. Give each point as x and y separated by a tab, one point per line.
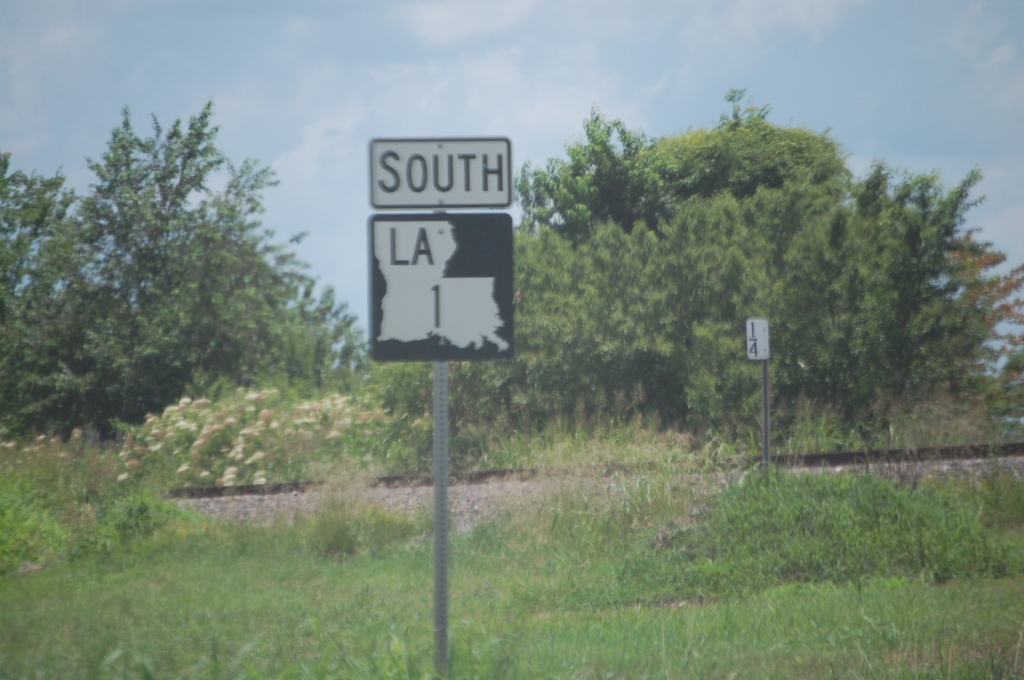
340	530
28	531
546	593
1002	498
62	500
777	527
997	496
941	421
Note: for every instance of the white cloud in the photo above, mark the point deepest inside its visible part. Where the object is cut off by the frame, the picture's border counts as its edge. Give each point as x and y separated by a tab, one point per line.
811	17
744	25
45	51
981	37
612	22
60	37
443	22
972	31
999	55
325	142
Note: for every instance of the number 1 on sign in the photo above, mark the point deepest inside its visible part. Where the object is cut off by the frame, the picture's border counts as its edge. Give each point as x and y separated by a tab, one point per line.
437	305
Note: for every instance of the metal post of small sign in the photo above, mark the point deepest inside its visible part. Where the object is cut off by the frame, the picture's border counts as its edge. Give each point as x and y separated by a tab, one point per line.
758	350
766	399
441	516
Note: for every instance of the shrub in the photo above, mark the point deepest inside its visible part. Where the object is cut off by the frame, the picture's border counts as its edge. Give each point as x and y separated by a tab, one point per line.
999	495
777	527
118	522
27	531
342	530
138	516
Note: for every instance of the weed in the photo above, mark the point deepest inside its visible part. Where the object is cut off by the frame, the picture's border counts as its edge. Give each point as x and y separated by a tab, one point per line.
777	527
341	530
536	597
1002	498
120	522
27	530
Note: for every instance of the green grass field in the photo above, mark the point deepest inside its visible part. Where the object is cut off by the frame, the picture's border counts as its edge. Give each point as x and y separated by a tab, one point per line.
748	583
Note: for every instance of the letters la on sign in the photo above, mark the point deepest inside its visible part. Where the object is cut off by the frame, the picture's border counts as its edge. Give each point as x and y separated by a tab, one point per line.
441	173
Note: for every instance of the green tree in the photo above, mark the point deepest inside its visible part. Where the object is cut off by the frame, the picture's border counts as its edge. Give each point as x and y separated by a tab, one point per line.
611	177
156	282
639	261
30	206
31	210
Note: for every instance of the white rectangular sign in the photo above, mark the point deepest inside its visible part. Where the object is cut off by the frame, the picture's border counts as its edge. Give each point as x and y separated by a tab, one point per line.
441	173
757	339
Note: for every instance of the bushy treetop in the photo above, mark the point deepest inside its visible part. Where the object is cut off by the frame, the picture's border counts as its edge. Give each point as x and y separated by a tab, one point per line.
152	284
640	258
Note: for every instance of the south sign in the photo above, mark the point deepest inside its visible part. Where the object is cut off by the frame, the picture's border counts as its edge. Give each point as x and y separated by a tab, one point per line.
441	173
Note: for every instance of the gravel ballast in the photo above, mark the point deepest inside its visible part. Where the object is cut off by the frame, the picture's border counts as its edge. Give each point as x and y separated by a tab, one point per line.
472	504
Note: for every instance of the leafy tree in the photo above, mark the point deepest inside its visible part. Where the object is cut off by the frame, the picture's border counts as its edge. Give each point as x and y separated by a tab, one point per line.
745	152
922	322
156	282
30	206
601	181
639	261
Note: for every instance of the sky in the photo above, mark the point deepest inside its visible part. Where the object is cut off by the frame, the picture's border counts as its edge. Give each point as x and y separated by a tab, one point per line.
303	86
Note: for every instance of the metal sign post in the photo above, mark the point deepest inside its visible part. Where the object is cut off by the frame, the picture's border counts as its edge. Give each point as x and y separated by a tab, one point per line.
441	519
758	350
766	397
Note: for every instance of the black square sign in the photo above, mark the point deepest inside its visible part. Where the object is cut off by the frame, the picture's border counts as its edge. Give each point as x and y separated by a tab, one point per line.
441	287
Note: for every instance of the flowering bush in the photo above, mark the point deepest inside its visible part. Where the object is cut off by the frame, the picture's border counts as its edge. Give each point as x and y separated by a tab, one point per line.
248	438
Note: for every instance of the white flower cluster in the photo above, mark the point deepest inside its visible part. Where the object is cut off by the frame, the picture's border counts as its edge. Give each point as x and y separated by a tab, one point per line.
240	436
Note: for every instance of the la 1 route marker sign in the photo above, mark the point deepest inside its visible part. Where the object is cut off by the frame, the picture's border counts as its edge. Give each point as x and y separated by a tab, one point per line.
441	287
441	174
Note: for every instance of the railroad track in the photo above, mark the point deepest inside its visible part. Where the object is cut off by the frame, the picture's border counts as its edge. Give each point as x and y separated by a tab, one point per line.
818	459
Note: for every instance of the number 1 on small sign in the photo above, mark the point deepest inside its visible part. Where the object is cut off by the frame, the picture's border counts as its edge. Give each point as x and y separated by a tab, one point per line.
437	305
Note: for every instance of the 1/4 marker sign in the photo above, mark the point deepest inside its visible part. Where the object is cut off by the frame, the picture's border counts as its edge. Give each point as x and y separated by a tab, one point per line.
441	287
757	340
441	173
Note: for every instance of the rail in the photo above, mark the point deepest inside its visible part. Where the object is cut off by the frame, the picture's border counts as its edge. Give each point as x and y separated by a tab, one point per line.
816	459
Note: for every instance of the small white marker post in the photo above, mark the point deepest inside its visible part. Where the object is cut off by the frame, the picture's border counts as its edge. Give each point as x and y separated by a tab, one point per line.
759	350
